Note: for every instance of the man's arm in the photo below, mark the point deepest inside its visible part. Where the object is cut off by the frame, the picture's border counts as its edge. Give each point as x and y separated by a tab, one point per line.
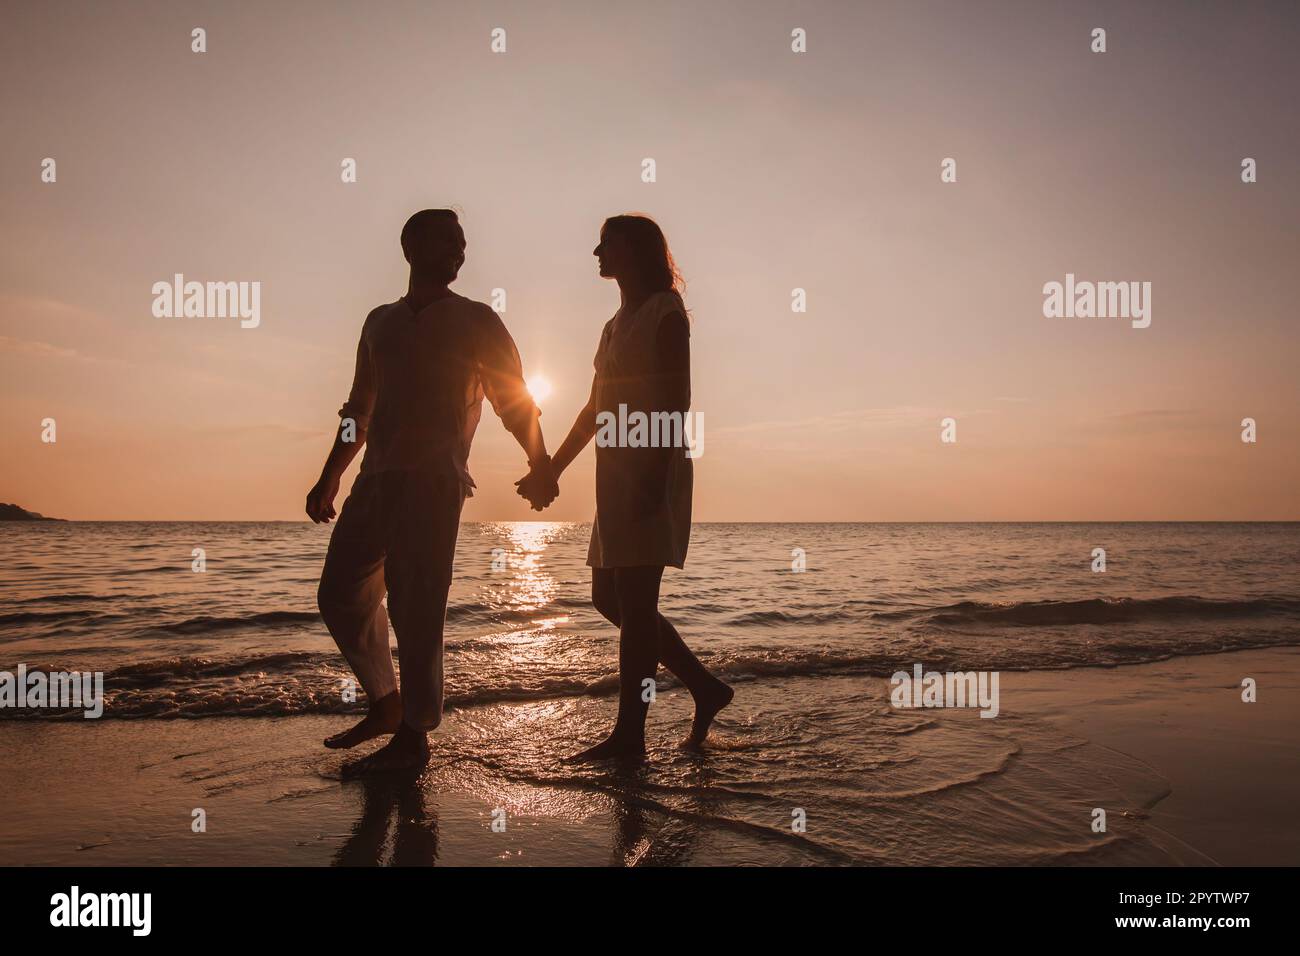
502	375
354	420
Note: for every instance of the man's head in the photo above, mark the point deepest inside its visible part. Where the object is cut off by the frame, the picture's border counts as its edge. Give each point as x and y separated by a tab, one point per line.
434	244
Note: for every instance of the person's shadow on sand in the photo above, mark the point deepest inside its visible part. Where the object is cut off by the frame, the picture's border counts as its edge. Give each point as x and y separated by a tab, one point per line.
415	842
643	835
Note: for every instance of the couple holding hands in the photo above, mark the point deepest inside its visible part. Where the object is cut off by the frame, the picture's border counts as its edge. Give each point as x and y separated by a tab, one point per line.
424	365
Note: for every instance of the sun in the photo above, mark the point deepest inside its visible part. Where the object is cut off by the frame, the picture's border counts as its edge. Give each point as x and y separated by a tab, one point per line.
539	388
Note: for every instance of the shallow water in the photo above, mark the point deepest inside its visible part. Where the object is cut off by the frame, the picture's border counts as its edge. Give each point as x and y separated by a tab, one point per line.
244	638
870	785
530	669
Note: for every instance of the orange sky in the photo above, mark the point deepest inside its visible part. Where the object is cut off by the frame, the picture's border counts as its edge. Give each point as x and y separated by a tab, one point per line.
775	171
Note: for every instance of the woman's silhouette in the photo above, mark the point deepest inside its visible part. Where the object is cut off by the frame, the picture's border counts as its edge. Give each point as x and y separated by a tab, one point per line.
643	494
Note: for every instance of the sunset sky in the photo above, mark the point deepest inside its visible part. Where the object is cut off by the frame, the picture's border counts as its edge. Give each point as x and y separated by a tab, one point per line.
775	170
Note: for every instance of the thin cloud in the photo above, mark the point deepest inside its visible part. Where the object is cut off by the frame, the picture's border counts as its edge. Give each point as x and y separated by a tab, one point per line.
36	349
41	308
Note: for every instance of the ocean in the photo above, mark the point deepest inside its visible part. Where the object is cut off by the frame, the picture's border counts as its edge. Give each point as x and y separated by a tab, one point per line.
244	638
531	668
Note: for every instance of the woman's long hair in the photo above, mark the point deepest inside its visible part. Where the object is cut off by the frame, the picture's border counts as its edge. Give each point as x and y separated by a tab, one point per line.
650	249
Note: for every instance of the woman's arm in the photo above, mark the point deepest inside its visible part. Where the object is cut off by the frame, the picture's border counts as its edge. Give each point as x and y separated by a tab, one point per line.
584	428
672	388
673	344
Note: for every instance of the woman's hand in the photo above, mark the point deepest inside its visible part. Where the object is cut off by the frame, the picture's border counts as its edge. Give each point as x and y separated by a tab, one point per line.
539	486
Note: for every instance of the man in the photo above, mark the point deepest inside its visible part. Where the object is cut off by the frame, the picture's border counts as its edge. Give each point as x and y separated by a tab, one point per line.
424	365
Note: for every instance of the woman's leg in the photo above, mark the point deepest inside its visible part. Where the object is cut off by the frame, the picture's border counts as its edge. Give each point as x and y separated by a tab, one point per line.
604	594
638	654
638	651
709	693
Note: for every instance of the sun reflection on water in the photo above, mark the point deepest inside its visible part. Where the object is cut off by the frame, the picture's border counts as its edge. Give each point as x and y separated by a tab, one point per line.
524	593
531	586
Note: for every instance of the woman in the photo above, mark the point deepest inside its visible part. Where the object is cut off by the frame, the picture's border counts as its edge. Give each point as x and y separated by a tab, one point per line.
643	494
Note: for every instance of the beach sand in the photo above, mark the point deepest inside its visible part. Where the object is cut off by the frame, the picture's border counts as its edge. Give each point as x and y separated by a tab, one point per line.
1187	772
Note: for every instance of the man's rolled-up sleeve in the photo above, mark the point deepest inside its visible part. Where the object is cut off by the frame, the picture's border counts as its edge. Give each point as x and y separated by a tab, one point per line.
501	374
361	400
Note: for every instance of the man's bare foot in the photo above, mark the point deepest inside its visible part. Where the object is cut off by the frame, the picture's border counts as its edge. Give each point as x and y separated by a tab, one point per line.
385	717
615	748
706	708
408	750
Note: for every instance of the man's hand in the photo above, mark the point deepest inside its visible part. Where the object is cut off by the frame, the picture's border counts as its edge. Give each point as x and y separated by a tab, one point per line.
320	500
539	486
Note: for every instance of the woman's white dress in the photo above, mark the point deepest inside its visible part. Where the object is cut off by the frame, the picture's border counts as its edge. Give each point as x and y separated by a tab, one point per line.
641	518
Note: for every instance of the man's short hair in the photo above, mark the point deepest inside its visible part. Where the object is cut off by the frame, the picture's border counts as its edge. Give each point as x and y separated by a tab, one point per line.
421	221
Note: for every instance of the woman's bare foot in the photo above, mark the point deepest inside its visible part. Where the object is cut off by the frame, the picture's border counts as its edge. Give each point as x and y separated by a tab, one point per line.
408	750
385	717
706	708
615	748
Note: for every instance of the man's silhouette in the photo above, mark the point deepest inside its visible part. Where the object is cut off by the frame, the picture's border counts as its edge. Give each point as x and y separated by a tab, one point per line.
424	365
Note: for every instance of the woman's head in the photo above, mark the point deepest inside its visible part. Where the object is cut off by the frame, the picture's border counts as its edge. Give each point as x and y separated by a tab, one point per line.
634	247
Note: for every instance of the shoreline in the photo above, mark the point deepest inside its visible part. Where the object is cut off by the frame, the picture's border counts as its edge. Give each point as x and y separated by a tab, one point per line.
1234	771
1187	772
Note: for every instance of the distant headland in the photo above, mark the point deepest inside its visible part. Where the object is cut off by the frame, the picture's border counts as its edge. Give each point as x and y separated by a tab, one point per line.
14	513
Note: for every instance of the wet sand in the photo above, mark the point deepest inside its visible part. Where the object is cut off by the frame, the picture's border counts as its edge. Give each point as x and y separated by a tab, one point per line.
1187	772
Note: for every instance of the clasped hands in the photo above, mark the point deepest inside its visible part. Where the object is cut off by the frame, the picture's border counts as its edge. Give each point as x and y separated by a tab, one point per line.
540	486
